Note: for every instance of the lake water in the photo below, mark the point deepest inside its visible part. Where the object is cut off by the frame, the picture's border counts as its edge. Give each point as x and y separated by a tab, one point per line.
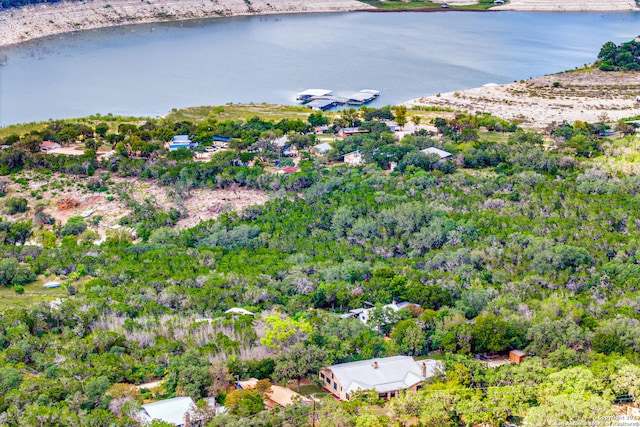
149	69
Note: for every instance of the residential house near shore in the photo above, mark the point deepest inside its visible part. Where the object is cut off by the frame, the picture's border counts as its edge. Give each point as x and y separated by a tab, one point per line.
387	376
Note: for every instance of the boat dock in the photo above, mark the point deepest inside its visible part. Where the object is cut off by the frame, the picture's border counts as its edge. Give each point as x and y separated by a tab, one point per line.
323	99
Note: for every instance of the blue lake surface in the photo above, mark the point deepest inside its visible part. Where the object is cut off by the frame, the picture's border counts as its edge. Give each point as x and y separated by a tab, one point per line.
149	69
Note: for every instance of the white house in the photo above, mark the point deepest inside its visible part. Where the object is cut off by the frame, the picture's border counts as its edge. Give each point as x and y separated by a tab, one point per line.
354	158
387	376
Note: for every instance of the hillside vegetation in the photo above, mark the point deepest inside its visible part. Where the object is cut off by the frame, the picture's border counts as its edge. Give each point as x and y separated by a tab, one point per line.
523	240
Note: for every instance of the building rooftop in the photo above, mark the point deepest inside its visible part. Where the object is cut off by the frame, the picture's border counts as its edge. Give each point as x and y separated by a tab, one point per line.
181	138
171	411
433	150
51	285
312	93
281	142
364	95
239	310
383	375
322	148
321	104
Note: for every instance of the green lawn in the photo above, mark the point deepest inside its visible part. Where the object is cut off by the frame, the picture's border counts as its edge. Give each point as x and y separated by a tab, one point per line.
33	293
424	5
306	390
241	111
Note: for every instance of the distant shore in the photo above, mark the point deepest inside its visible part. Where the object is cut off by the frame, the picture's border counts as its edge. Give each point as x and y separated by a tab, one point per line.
18	25
32	22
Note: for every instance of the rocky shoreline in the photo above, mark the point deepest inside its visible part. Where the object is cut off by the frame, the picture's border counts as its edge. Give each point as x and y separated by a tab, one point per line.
32	22
535	103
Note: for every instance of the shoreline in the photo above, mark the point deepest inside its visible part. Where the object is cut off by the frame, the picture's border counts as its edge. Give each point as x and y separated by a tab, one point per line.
537	102
19	25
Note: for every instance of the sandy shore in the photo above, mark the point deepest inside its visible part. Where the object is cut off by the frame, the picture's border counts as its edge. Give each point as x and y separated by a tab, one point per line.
540	101
31	22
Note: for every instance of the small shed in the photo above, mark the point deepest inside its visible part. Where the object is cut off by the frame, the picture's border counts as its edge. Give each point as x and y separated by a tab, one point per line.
51	285
516	356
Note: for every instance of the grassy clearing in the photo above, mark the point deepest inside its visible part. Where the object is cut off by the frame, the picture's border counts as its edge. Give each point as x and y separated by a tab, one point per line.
33	294
307	390
240	112
391	5
112	121
401	5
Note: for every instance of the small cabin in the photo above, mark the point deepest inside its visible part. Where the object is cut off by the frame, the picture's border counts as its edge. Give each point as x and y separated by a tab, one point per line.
517	356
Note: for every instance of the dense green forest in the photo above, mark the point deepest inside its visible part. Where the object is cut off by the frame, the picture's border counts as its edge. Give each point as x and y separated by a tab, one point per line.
523	240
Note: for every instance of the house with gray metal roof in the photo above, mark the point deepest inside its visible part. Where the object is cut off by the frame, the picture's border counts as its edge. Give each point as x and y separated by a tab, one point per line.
387	376
433	150
322	148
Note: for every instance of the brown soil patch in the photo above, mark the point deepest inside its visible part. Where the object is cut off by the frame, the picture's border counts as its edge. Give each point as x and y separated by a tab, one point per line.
64	197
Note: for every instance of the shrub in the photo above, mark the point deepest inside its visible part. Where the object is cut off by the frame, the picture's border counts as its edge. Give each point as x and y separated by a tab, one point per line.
74	226
15	205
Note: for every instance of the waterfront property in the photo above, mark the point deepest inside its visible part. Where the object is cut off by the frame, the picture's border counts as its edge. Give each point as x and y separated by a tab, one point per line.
363	97
387	376
518	45
310	94
323	104
322	99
